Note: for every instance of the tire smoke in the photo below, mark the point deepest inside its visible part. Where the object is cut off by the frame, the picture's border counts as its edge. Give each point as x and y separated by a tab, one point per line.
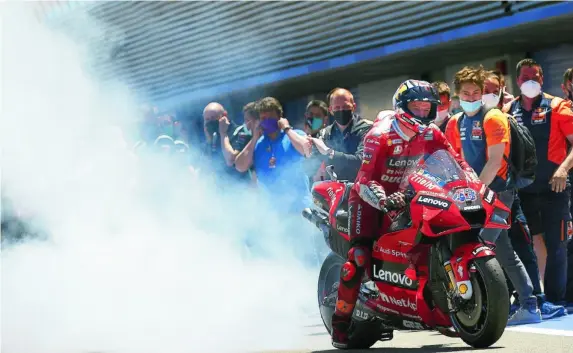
132	262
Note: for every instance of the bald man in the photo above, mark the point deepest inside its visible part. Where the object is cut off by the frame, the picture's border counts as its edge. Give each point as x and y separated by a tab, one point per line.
225	140
341	143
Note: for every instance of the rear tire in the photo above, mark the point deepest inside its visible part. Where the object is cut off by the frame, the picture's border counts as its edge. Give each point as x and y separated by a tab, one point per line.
364	333
491	306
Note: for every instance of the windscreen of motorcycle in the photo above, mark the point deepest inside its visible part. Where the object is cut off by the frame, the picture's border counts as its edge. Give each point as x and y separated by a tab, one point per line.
440	168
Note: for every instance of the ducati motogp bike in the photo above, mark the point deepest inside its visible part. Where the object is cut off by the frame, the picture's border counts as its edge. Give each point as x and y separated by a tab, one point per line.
430	270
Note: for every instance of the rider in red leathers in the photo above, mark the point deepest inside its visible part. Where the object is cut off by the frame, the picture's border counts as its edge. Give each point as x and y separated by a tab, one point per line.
394	143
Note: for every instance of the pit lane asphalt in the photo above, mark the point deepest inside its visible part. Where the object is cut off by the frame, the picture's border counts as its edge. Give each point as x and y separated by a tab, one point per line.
555	336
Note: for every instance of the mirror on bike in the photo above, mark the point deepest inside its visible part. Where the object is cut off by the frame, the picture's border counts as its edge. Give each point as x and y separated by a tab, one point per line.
331	173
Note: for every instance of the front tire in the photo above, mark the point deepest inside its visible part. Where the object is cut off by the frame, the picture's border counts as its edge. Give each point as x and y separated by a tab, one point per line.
482	322
364	334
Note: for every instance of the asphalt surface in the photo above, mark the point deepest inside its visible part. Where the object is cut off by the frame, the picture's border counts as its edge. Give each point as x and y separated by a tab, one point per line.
555	336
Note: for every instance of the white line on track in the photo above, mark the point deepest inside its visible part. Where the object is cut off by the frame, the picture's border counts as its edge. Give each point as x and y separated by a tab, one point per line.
542	331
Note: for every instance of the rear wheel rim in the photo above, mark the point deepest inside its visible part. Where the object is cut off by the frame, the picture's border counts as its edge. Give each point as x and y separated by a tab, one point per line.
329	281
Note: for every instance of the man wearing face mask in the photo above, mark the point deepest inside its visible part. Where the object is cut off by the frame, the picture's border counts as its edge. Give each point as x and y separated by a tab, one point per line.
316	117
225	140
482	135
443	115
494	93
277	156
546	201
520	234
341	144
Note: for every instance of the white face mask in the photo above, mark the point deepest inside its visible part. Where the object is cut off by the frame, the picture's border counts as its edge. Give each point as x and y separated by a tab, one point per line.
490	100
530	89
442	114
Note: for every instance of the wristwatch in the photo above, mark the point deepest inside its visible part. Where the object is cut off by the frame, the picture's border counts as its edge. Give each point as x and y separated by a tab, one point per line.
286	129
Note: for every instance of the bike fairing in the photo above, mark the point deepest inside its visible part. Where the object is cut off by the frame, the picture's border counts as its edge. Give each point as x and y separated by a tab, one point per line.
395	264
387	155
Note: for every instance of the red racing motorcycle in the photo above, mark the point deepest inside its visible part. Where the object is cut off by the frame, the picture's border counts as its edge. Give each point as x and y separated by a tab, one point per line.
430	270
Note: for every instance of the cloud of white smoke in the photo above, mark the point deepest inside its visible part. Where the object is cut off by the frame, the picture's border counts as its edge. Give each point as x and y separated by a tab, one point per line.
132	264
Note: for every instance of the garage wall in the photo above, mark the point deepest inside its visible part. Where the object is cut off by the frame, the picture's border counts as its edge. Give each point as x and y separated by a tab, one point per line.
377	95
488	64
554	62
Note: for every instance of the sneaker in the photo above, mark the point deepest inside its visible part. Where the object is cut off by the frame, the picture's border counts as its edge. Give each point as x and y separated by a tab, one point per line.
528	313
568	306
340	327
550	310
513	308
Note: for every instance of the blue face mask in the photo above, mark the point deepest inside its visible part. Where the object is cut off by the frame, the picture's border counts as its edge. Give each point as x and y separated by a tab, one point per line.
470	107
316	123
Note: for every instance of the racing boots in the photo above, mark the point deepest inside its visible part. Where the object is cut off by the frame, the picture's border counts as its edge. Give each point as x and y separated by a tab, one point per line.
340	328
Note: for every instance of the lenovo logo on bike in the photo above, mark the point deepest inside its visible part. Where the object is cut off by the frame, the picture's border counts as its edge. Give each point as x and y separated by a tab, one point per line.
341	229
392	277
484	248
434	202
403	303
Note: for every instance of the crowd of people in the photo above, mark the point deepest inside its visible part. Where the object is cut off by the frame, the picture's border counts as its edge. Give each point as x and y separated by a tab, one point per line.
268	153
471	119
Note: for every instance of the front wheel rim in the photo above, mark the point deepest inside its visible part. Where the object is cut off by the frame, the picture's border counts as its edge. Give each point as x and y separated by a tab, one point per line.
473	314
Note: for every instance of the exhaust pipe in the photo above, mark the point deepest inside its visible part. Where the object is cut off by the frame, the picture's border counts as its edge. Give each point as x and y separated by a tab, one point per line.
320	221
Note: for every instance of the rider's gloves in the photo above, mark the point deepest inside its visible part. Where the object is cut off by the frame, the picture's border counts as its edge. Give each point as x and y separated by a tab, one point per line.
374	194
396	201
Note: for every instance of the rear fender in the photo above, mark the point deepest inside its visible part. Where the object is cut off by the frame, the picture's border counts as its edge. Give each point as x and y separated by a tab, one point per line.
460	261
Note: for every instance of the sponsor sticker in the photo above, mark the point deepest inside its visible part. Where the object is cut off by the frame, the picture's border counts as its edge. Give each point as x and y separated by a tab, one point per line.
412	325
399	279
361	314
489	196
422	181
471	208
480	249
465	195
402	162
539	116
402	303
429	135
391	179
433	202
391	252
342	229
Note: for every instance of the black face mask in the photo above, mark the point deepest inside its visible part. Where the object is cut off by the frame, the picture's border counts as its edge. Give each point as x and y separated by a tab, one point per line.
212	126
342	117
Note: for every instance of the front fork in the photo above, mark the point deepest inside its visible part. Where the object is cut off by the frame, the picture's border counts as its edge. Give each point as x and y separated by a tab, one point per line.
459	284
